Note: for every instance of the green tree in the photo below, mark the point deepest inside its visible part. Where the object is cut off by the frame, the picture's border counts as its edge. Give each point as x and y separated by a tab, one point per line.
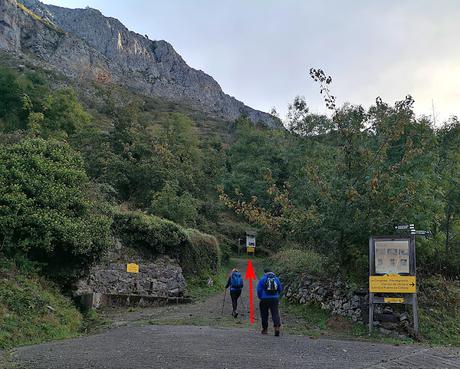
63	113
47	210
179	207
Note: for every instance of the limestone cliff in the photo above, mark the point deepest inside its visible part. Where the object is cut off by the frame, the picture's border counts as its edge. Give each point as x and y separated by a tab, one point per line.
83	43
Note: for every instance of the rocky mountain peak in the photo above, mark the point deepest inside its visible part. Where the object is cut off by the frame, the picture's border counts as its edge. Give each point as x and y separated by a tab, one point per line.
83	43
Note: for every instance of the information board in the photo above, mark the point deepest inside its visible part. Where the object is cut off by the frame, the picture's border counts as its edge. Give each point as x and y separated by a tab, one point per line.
392	257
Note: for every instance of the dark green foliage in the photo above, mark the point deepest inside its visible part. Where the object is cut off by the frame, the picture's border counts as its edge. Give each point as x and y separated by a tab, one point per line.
63	112
197	252
173	205
46	206
160	167
26	102
149	233
255	159
11	107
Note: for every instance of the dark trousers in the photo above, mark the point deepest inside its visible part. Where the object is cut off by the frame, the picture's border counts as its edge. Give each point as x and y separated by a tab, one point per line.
265	306
235	295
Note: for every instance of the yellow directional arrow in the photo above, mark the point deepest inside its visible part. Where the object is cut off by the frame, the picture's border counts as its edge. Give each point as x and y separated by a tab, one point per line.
393	283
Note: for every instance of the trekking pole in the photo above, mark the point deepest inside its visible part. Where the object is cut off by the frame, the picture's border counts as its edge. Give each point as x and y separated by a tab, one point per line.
242	305
281	322
223	302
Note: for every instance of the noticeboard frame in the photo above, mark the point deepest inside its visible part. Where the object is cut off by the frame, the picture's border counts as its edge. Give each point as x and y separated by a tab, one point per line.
412	258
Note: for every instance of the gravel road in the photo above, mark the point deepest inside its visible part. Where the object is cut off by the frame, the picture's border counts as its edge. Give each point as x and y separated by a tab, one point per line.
159	346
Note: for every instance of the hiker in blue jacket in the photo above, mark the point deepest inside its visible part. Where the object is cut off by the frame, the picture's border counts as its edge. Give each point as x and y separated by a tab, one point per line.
235	282
269	289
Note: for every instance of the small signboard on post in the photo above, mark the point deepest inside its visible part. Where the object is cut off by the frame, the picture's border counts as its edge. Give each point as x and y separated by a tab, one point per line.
250	242
392	270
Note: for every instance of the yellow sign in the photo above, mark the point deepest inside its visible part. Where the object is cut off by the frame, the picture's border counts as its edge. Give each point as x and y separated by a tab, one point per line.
132	268
394	300
250	249
393	283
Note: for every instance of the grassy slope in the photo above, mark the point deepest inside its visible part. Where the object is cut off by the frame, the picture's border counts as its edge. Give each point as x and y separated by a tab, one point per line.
439	305
32	310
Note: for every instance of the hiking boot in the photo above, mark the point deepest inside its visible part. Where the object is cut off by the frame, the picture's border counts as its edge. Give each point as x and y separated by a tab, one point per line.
235	314
264	331
277	331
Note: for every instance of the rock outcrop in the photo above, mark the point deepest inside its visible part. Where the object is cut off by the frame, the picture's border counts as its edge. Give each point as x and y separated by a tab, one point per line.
84	44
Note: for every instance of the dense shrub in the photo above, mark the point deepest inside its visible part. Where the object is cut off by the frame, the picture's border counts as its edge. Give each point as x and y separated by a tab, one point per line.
196	252
202	253
47	211
180	208
150	233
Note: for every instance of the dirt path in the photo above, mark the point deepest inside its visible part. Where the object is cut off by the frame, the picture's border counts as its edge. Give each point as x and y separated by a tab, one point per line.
200	336
206	313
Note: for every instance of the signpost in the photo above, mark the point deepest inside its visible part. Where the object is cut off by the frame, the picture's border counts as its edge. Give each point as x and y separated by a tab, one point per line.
250	242
392	270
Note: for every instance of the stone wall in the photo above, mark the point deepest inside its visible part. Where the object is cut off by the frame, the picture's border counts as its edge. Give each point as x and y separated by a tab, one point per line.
162	277
347	300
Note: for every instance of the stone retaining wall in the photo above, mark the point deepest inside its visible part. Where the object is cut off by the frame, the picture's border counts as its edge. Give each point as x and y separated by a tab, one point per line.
162	278
346	300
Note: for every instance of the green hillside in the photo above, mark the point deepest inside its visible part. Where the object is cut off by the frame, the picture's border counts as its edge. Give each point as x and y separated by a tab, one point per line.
81	161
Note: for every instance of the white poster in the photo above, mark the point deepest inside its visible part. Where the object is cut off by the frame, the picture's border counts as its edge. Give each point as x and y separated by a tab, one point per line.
392	257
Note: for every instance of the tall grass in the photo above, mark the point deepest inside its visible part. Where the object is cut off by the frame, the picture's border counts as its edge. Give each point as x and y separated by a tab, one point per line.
294	262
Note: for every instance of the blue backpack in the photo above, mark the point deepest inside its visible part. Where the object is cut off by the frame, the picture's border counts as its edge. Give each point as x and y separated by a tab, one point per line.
236	281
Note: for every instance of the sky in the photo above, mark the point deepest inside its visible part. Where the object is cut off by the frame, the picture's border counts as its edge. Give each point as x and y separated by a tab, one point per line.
260	51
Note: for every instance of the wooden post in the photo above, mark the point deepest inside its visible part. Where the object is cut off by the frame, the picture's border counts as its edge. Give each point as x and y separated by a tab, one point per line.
414	296
415	314
371	312
371	295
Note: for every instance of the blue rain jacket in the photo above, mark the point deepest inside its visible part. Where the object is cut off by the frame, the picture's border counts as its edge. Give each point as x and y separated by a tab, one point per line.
262	294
